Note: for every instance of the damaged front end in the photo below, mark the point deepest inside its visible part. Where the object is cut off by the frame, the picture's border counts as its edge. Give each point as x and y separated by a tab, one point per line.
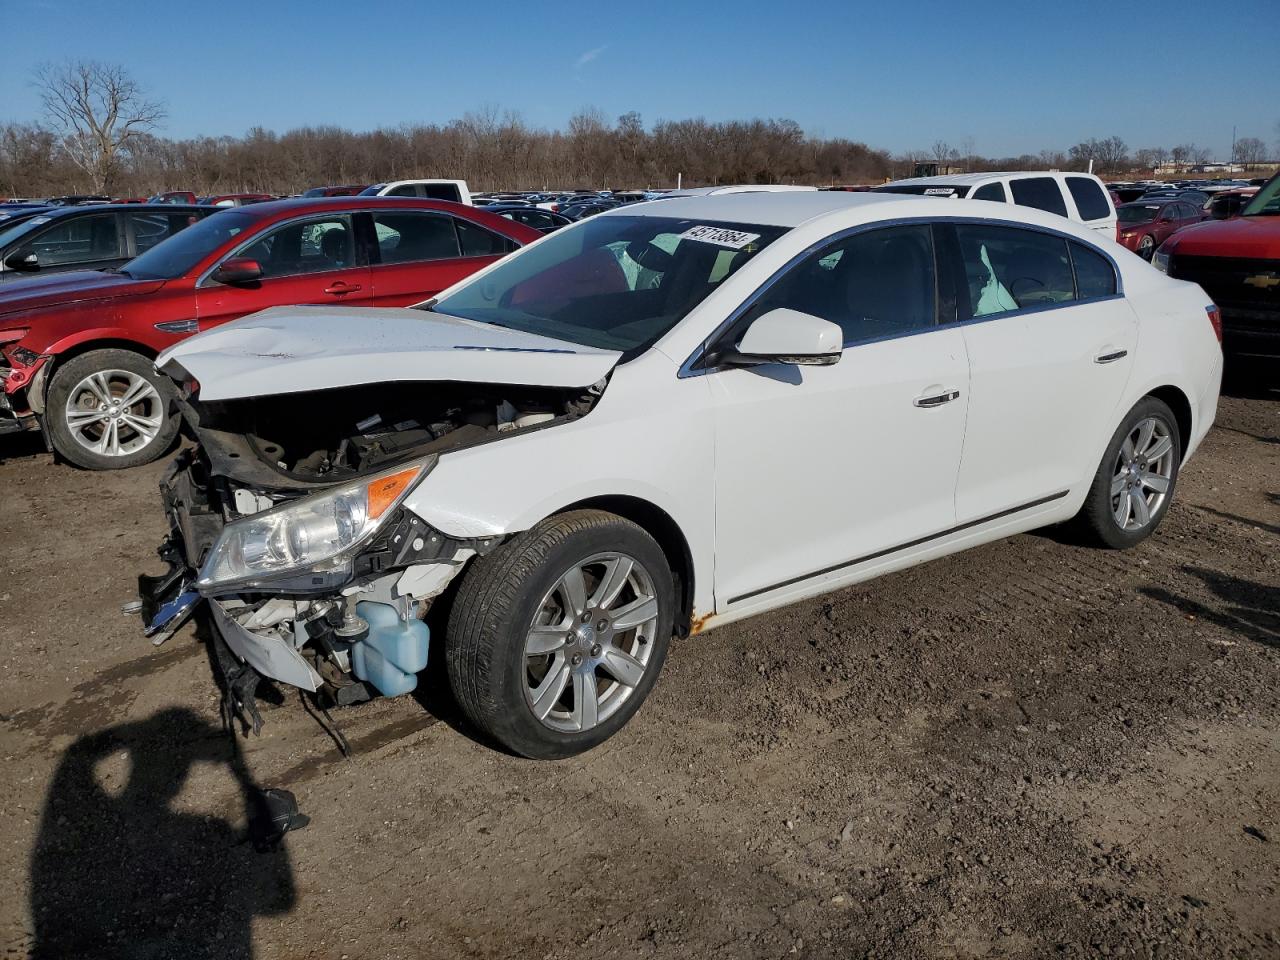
288	524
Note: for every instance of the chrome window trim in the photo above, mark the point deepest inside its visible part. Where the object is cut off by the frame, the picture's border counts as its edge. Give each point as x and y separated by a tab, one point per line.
687	369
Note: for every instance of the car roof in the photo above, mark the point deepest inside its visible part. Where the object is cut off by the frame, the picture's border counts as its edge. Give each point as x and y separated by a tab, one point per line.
86	209
778	209
969	179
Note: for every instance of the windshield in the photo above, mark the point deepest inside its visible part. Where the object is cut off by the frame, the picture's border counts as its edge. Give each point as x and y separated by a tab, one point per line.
617	283
1267	202
1137	214
181	252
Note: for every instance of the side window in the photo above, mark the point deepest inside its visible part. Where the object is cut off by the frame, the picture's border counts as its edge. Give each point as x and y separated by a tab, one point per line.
1095	277
1039	192
405	190
875	284
150	228
1089	198
441	191
990	191
1008	268
78	240
476	241
313	246
412	237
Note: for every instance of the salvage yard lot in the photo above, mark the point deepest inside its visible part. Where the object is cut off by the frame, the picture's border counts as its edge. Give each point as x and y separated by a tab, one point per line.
1027	749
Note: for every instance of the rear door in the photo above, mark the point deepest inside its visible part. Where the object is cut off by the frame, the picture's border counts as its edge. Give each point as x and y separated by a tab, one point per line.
1050	347
414	254
311	260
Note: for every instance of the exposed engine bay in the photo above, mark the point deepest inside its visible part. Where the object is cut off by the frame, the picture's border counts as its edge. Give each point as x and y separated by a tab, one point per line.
349	625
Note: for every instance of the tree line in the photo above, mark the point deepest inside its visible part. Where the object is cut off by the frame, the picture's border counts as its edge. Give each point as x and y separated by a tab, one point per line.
100	135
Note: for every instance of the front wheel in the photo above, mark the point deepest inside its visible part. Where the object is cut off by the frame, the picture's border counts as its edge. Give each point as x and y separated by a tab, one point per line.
1134	484
109	409
556	638
1147	247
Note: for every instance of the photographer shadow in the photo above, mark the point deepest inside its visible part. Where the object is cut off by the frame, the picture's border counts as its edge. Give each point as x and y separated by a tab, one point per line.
124	874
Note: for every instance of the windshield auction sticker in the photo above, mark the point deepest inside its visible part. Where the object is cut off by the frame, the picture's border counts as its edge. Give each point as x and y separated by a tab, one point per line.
734	239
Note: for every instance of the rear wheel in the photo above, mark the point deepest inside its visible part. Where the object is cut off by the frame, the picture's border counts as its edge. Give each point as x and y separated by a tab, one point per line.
109	409
556	638
1134	484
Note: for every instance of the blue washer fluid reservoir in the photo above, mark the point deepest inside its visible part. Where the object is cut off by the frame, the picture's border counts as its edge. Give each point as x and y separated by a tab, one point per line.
393	653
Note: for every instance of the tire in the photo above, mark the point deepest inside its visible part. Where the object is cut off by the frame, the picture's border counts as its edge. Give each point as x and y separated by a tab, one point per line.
127	436
1100	518
1147	247
523	585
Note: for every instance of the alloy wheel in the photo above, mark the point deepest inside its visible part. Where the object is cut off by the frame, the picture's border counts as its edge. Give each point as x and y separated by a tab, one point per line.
114	413
1143	474
590	642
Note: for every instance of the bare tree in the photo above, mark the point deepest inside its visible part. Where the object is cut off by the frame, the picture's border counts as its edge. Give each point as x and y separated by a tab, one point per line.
1250	150
943	153
1181	155
96	109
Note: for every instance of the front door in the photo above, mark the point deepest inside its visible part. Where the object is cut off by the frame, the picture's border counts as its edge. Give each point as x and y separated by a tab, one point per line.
819	469
308	261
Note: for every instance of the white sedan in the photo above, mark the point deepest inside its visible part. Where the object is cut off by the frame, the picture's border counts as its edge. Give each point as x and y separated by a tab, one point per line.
658	421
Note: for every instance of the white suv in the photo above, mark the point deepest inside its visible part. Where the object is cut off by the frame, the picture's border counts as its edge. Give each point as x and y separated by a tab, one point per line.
1077	196
455	190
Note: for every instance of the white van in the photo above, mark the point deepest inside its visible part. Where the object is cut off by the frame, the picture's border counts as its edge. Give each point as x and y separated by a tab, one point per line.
455	190
1077	196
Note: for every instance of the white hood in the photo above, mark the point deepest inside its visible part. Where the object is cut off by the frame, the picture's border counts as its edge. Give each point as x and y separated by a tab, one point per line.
293	349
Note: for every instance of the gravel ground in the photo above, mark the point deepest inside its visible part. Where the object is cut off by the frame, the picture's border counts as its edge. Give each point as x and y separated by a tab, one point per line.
1031	749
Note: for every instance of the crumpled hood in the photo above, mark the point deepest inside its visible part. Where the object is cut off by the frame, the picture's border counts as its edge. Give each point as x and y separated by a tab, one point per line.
56	289
295	349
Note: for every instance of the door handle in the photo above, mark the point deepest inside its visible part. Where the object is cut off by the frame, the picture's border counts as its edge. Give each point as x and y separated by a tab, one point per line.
937	399
1111	356
339	288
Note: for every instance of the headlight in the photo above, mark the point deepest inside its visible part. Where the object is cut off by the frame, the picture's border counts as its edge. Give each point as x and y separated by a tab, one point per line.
1160	261
317	535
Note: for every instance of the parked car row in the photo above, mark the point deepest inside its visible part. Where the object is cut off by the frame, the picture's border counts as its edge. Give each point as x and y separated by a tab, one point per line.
78	347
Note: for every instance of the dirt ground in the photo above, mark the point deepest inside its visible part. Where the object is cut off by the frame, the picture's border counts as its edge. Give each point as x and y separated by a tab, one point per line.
1032	749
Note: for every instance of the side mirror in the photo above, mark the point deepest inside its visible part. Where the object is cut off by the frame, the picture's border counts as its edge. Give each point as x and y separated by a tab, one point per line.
787	336
238	270
24	260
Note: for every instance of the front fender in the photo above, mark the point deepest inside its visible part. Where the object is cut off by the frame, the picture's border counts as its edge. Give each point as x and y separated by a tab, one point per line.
649	437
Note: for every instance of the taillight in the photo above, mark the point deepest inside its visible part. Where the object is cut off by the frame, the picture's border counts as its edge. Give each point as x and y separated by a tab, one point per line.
1215	320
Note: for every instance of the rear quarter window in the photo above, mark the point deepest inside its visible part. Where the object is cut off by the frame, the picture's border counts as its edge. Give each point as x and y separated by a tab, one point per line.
1095	277
1089	198
989	191
1039	192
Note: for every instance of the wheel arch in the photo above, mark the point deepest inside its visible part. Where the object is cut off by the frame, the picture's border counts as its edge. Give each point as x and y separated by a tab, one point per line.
663	528
1177	401
78	348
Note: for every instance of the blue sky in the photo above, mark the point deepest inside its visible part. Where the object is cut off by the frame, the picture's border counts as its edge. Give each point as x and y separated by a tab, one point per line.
1013	76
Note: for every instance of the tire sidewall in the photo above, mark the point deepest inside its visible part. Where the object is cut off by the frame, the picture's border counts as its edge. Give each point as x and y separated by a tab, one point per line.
65	378
522	730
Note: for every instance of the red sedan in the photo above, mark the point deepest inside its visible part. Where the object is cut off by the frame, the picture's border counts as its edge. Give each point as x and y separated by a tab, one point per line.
76	349
1142	227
